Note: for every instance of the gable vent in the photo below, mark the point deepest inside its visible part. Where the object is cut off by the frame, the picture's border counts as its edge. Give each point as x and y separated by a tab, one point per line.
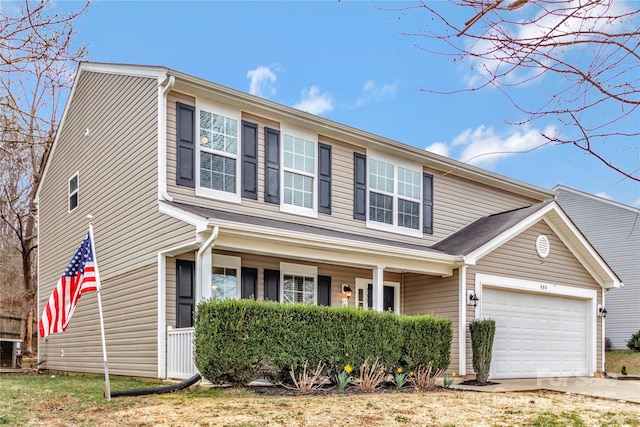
542	246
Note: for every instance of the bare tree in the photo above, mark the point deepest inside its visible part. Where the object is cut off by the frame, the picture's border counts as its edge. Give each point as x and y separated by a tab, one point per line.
584	51
37	65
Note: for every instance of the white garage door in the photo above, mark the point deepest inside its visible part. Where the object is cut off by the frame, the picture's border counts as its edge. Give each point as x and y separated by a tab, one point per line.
536	335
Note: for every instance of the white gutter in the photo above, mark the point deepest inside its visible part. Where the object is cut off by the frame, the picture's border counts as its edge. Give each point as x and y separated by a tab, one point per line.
199	261
165	84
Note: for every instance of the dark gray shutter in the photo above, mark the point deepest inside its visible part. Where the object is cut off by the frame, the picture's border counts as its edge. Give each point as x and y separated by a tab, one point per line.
249	160
427	203
271	165
185	130
184	293
272	285
324	290
359	186
370	296
249	283
388	298
324	178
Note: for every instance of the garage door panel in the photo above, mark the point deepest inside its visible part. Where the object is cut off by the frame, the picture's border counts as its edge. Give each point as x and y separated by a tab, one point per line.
536	335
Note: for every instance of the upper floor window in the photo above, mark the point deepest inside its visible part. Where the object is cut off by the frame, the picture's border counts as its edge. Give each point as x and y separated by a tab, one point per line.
74	191
299	172
394	196
218	147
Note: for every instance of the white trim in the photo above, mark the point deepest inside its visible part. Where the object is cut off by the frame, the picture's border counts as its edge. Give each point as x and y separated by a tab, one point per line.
363	283
606	277
299	270
462	321
162	303
221	110
199	222
227	261
591	295
602	327
307	135
394	227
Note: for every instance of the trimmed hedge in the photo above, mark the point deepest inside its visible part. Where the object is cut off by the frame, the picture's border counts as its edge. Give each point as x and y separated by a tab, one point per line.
238	341
482	334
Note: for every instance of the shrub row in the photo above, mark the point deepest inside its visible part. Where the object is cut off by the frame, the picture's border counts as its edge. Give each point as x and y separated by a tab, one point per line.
238	341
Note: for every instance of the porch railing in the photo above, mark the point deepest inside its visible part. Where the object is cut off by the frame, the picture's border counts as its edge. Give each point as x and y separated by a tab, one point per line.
180	353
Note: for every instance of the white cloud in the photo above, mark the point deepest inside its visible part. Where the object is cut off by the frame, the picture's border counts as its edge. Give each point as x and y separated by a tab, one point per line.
484	146
604	196
386	90
375	92
262	80
439	148
315	102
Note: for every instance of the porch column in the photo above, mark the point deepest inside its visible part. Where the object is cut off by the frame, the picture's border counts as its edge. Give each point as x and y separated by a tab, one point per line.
378	287
203	287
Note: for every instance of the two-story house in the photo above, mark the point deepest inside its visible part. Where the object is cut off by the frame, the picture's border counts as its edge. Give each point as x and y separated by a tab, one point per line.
200	191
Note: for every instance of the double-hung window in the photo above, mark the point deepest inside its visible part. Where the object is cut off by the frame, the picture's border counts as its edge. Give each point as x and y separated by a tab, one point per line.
225	277
219	152
394	196
74	192
299	172
298	283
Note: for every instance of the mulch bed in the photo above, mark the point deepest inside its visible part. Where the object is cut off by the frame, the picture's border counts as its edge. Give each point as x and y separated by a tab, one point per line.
277	390
478	383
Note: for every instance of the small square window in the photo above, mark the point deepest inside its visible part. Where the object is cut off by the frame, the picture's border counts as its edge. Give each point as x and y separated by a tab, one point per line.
73	193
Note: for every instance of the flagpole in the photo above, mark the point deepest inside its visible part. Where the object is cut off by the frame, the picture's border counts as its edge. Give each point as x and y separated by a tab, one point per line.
104	344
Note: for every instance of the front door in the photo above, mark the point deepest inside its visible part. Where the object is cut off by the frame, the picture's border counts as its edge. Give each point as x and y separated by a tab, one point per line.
364	295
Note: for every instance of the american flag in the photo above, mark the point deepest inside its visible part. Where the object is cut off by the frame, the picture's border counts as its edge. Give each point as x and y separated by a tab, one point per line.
79	277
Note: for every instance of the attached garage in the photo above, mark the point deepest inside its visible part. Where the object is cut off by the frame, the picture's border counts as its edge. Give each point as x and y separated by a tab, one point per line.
537	335
542	329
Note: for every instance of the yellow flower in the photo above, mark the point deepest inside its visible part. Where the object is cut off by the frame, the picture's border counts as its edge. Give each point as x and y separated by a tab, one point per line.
348	369
411	373
453	374
399	370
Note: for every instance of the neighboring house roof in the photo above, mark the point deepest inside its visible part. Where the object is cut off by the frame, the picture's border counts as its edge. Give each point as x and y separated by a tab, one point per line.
487	233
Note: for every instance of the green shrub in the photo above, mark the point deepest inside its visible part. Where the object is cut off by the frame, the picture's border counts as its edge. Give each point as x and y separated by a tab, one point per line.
240	340
482	334
634	342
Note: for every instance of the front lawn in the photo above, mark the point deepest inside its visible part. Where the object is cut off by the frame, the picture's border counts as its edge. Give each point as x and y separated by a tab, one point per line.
62	400
618	358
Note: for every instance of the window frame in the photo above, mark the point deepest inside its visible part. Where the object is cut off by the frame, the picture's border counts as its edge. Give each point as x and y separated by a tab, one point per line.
71	194
227	261
287	268
309	136
229	113
394	227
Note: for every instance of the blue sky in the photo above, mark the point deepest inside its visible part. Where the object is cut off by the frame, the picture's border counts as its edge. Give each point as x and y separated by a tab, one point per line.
347	61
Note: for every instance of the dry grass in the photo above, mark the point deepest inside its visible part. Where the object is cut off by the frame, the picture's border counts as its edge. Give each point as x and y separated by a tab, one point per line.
75	401
616	359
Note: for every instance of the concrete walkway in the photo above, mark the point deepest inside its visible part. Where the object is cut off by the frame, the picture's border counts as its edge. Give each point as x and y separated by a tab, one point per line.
621	390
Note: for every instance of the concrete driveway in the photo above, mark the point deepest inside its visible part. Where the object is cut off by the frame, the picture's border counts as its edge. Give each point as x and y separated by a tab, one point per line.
621	390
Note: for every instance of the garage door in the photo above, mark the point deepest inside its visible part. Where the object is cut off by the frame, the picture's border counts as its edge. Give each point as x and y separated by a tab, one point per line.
536	335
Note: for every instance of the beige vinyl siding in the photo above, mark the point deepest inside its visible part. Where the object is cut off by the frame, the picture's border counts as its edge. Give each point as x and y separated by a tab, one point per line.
117	165
457	202
518	259
436	296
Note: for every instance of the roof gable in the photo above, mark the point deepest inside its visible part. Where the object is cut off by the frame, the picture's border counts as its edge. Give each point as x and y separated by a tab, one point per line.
488	233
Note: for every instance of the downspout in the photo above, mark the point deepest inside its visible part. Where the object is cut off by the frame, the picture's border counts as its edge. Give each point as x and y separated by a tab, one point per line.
199	261
164	86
